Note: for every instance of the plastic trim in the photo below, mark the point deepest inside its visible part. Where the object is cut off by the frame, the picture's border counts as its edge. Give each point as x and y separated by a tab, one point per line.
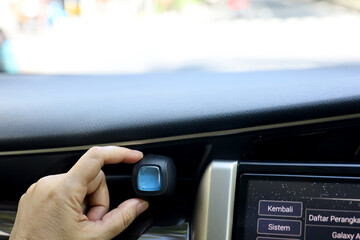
213	216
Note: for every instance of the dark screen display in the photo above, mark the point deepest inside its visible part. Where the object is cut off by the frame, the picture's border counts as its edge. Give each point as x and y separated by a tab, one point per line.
299	208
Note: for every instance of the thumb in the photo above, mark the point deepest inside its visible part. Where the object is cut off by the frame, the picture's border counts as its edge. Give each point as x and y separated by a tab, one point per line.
117	220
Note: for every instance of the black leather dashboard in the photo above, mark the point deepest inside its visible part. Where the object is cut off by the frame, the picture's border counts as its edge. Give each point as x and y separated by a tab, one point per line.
58	111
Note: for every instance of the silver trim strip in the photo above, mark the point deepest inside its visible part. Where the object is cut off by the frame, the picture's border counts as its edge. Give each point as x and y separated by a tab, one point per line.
186	136
213	216
178	232
7	219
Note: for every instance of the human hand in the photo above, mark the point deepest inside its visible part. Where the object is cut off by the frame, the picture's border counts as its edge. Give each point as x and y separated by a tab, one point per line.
54	207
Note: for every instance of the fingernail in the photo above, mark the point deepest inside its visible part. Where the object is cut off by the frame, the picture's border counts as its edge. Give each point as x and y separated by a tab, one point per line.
141	207
140	154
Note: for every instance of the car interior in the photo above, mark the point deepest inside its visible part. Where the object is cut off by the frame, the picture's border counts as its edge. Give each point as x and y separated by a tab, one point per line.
251	162
247	111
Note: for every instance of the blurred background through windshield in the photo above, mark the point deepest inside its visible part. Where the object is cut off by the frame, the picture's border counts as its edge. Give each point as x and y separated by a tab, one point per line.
135	36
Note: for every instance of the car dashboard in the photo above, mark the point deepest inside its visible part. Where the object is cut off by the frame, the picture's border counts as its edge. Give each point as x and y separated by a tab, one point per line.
268	155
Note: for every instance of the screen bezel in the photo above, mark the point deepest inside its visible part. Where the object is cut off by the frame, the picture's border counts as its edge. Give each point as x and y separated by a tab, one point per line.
242	189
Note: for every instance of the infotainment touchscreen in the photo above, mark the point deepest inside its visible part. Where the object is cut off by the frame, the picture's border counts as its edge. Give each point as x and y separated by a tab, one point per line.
297	208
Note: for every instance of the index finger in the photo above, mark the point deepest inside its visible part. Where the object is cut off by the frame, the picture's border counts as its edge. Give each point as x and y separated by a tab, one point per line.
90	164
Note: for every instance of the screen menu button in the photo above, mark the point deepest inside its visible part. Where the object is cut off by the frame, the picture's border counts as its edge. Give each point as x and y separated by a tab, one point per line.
274	238
280	208
279	227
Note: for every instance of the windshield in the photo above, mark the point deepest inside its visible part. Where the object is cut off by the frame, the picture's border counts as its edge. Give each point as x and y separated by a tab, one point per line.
136	36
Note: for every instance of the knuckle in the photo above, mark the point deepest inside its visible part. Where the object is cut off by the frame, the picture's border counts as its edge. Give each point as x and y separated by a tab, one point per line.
31	188
94	151
102	175
50	187
43	181
22	199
